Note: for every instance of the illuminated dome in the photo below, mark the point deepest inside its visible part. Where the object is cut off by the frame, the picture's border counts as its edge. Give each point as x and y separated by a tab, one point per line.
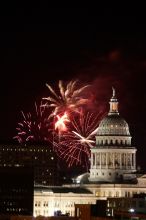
113	125
113	156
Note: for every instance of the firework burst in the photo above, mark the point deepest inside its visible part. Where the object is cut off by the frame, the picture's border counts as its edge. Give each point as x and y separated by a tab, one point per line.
75	144
68	99
69	128
33	127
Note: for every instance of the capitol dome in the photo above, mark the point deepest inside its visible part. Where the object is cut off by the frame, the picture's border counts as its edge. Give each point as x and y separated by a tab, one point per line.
113	125
113	156
113	130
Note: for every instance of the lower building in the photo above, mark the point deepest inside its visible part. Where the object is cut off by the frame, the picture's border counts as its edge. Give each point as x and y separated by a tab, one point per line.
25	217
48	200
87	211
16	191
135	205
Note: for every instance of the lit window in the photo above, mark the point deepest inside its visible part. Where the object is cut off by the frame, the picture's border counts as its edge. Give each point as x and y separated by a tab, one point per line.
97	193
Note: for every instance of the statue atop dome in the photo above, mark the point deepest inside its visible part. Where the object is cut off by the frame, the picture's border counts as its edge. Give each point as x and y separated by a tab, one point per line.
114	91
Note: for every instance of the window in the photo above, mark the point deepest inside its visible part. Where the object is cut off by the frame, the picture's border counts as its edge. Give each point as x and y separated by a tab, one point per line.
97	193
141	204
110	194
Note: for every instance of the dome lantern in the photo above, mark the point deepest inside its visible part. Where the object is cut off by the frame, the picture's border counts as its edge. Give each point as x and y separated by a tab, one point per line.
113	104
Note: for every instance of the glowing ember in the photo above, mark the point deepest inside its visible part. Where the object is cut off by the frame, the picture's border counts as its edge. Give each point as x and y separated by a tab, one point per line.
61	123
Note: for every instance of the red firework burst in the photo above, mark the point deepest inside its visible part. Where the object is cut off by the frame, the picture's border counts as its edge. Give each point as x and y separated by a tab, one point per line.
74	145
33	127
69	98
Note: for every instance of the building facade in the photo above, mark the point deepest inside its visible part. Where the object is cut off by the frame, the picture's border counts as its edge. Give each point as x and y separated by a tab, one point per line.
47	201
40	158
16	191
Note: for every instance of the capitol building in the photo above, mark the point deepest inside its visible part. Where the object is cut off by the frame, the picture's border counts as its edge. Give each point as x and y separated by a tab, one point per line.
112	170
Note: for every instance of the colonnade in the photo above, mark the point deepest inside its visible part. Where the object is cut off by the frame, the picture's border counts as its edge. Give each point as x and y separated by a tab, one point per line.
113	160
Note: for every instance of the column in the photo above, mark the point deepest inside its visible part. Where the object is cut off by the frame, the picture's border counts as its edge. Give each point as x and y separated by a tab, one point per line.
131	160
100	160
106	160
120	161
114	160
96	160
126	160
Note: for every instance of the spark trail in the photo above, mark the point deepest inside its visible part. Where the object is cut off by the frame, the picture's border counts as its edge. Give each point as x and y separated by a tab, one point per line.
69	98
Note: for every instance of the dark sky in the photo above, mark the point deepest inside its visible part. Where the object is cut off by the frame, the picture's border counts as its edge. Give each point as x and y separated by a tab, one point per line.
39	44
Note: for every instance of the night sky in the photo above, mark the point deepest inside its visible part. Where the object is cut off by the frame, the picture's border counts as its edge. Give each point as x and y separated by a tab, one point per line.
39	44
